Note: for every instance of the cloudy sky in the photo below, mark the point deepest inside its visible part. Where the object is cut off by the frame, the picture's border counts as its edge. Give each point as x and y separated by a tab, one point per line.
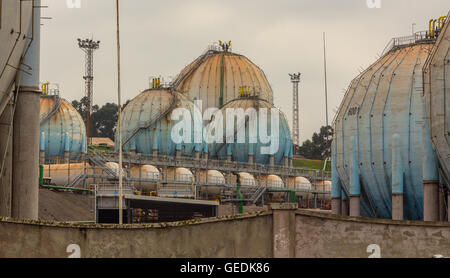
280	36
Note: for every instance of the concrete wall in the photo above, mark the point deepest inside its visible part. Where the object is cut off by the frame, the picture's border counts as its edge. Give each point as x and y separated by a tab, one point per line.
284	231
244	236
323	236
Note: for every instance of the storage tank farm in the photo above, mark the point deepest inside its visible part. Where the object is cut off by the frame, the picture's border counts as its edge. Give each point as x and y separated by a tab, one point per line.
62	130
382	154
218	79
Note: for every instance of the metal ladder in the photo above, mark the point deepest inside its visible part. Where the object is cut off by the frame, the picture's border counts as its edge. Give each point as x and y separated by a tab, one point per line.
150	123
55	107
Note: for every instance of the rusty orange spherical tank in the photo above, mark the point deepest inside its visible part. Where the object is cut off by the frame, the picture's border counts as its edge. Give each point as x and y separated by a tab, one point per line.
62	128
218	77
437	99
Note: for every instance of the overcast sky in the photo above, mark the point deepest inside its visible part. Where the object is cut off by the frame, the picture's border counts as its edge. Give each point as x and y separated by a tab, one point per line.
280	36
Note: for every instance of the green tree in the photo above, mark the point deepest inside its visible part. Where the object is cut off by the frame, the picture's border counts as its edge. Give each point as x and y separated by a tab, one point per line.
103	120
319	146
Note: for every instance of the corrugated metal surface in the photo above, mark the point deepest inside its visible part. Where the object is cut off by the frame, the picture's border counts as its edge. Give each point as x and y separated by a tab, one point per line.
385	100
437	95
16	17
240	151
144	109
217	77
65	122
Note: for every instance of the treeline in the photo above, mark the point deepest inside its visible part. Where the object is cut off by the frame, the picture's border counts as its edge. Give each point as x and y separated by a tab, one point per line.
103	119
319	147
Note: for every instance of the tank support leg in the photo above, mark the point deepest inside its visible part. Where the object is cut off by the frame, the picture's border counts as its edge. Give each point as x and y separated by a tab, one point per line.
431	200
397	179
355	205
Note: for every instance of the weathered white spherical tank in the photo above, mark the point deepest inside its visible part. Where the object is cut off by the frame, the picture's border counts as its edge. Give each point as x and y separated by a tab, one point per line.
302	183
274	181
377	147
215	177
184	175
147	124
62	127
217	77
262	139
437	97
147	176
246	179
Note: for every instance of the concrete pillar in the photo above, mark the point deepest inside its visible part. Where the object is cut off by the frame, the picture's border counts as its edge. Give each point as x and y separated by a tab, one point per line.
155	153
286	162
6	149
66	157
229	158
272	161
26	154
250	159
431	200
336	189
336	206
429	172
355	186
397	206
397	179
42	148
442	197
344	206
197	155
178	154
283	229
205	156
290	162
355	206
448	206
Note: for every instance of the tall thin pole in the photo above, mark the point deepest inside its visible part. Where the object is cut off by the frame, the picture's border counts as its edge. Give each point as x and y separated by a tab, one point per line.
326	82
118	122
326	99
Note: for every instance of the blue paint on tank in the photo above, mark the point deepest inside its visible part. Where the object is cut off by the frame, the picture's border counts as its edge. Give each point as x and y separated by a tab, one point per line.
62	128
241	151
378	138
147	124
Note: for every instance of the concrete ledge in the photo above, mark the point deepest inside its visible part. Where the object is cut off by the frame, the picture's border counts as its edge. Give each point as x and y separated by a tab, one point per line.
42	223
283	206
372	220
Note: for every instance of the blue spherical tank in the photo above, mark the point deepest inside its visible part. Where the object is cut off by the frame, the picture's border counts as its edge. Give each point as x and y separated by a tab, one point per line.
257	131
62	128
147	125
379	143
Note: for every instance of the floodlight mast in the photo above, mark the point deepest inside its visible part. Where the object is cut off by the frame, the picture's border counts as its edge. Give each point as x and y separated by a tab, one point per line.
89	47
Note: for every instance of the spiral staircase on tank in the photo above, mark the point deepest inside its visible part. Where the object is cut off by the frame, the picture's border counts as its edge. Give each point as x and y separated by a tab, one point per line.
51	112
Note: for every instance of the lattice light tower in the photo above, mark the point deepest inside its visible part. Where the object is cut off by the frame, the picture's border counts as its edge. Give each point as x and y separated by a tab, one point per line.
89	46
295	79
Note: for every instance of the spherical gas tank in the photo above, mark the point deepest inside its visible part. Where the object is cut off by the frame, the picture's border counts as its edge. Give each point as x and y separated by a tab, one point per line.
437	98
148	127
62	128
217	77
184	175
378	133
246	179
274	181
302	183
252	132
215	177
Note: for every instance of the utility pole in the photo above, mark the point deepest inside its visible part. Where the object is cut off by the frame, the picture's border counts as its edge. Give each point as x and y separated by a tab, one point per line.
89	46
295	79
119	117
